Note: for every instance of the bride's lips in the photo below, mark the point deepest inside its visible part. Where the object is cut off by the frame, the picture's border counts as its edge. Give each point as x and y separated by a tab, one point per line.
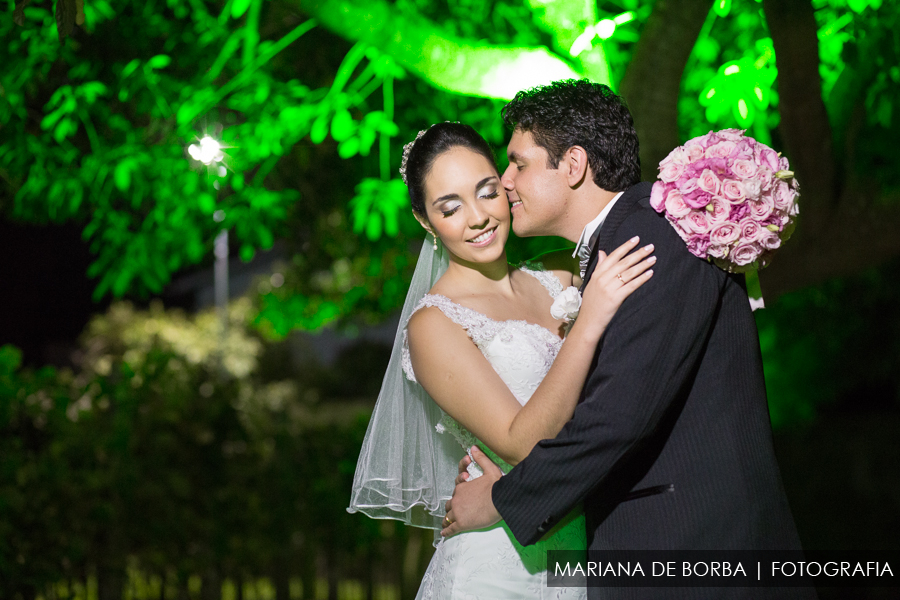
491	234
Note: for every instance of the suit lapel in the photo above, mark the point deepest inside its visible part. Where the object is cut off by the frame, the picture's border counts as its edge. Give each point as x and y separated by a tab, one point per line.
620	210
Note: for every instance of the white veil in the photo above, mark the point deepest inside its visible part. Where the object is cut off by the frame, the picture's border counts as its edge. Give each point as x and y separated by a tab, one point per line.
406	470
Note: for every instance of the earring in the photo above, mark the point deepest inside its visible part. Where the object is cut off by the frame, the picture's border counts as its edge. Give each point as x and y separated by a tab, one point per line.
434	237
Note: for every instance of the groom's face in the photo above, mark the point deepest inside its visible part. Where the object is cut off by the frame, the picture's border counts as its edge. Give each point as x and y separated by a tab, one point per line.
538	194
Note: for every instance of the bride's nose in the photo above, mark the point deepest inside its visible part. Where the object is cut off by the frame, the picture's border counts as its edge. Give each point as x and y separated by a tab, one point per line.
478	217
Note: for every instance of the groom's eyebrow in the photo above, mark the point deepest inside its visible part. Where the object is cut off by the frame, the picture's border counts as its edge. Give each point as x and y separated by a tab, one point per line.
513	157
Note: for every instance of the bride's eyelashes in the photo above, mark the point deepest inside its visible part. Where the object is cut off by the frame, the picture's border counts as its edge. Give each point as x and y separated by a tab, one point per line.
449	211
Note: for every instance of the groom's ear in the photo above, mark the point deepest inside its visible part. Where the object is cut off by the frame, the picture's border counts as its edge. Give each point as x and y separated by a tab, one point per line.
575	162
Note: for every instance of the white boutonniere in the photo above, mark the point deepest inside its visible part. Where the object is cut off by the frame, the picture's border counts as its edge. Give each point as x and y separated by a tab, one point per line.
566	305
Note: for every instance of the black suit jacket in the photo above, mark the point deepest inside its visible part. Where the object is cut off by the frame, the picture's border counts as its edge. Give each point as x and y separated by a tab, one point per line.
671	445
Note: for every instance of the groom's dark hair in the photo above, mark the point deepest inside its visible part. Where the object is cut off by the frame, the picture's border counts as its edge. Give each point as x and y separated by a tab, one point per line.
578	112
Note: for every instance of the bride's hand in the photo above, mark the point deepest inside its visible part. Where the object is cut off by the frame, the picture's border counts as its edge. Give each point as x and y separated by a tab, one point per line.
615	278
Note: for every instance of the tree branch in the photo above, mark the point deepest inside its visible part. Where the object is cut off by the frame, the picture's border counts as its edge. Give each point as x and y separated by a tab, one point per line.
653	80
565	20
453	64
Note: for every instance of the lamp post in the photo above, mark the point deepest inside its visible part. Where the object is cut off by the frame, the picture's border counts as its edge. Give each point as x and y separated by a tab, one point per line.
209	152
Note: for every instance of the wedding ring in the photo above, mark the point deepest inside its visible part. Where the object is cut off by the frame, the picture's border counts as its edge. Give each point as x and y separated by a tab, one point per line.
619	277
449	521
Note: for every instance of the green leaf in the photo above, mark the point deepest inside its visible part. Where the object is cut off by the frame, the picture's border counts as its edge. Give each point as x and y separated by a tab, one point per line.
130	68
122	175
160	61
722	7
348	148
319	130
64	129
373	227
239	7
342	126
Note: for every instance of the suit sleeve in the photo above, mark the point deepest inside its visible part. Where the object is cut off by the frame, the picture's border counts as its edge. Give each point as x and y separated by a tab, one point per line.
644	363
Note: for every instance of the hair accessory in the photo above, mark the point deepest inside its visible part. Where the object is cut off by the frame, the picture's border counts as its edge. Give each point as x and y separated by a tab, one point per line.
406	150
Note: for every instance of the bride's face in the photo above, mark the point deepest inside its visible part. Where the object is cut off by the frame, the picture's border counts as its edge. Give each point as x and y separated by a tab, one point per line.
466	205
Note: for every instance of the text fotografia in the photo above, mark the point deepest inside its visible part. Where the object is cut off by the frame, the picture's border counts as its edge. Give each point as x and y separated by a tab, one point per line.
698	568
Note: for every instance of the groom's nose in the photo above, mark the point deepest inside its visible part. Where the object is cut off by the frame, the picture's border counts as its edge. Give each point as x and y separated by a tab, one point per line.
507	178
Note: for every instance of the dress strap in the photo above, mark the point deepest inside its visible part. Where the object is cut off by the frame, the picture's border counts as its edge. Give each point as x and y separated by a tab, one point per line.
478	327
547	278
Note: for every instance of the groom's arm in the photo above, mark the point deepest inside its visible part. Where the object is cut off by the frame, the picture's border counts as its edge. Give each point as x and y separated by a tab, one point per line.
649	352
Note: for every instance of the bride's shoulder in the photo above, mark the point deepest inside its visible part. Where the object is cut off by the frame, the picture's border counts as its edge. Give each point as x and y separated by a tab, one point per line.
558	262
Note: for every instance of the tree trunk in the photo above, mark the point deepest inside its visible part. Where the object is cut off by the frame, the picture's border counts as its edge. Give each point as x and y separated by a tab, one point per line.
804	125
652	81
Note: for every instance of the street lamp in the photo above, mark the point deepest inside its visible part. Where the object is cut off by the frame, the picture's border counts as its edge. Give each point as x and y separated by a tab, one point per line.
209	152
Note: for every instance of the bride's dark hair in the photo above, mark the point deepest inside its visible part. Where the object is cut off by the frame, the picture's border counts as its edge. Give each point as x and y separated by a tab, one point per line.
431	143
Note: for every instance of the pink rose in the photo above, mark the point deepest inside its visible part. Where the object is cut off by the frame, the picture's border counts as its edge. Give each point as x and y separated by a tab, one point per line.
697	245
768	157
733	190
783	164
743	150
657	195
752	188
709	182
732	135
678	225
696	222
745	254
675	205
739	212
720	150
745	169
718	250
766	178
750	231
769	240
783	195
677	155
718	210
670	171
761	208
686	184
724	234
694	151
697	199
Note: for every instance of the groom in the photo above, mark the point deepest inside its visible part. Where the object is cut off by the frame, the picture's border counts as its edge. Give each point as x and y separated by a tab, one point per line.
670	447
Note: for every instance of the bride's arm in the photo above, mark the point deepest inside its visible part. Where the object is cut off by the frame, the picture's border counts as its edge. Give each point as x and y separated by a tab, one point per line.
464	384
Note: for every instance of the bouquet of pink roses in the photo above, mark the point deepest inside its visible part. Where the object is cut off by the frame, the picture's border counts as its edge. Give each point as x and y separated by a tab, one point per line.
730	198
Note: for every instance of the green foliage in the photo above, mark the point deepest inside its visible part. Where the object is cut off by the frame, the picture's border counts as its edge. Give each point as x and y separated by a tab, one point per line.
835	343
178	451
730	78
116	160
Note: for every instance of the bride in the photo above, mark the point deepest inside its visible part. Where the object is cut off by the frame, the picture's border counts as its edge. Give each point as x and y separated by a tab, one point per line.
476	345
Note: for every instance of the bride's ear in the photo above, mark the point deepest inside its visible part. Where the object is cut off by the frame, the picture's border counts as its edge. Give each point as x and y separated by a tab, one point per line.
423	222
575	161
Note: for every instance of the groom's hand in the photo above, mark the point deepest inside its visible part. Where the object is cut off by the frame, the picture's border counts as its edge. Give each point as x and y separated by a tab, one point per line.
471	506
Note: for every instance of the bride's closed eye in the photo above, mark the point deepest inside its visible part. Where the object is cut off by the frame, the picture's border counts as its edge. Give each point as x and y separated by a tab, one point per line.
449	210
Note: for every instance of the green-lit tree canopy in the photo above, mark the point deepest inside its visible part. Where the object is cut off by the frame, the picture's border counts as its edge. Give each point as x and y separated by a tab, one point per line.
313	100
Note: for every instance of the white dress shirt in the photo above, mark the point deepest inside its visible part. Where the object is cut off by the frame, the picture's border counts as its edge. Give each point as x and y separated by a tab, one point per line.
582	249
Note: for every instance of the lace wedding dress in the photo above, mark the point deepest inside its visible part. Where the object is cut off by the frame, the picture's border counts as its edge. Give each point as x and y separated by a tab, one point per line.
490	564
